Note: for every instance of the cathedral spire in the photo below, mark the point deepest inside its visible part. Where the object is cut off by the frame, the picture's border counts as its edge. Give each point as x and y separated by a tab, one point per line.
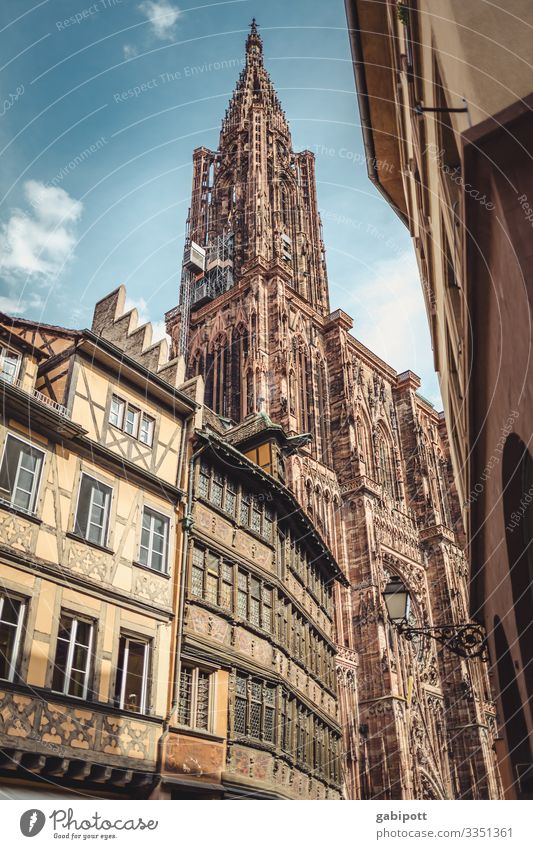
254	43
254	90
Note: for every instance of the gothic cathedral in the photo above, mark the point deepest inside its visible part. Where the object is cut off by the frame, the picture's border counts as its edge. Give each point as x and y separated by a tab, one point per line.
370	467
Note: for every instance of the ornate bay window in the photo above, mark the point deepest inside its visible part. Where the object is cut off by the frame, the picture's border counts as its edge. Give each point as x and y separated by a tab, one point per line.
264	712
232	588
222	492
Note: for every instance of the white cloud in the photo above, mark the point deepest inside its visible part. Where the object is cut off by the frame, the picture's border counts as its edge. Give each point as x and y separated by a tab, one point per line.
391	320
162	16
129	51
13	306
40	241
158	327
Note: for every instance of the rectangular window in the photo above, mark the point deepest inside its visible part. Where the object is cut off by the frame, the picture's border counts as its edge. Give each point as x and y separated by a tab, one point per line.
197	572
212	576
146	433
217	487
131	691
116	411
241	693
268	524
266	610
203	480
230	498
9	365
242	595
20	474
11	621
195	698
73	657
226	589
92	514
255	709
131	424
255	602
245	509
153	551
256	516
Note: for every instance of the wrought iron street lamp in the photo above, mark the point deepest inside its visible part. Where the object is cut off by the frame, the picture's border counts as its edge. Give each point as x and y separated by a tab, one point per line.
464	639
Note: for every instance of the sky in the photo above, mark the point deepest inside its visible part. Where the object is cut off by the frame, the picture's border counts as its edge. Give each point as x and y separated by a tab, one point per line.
101	106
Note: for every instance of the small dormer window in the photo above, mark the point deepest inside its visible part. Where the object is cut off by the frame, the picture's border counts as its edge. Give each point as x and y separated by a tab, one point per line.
9	365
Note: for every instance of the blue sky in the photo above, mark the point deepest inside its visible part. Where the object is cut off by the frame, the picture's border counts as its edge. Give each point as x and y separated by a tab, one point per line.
103	102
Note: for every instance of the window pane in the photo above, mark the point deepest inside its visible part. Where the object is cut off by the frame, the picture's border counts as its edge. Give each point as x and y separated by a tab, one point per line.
10	628
255	720
269	725
202	700
135	680
60	666
254	611
9	365
20	472
132	421
240	716
241	604
245	509
256	519
146	434
197	582
216	490
203	481
184	716
230	501
154	536
93	510
116	412
211	588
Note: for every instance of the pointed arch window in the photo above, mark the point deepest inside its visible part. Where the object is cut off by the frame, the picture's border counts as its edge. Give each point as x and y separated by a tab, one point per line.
386	469
236	361
304	387
365	445
323	412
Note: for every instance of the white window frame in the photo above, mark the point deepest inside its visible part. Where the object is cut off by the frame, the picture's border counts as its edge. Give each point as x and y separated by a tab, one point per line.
5	349
136	421
164	569
37	477
77	524
18	630
146	661
122	409
211	684
150	421
72	642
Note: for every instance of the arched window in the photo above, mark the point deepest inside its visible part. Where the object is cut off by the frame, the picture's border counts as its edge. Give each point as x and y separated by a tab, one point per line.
239	352
517	475
304	388
216	376
385	466
285	208
365	444
323	412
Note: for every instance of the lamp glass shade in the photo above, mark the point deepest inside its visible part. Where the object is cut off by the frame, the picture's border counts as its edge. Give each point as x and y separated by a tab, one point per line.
397	600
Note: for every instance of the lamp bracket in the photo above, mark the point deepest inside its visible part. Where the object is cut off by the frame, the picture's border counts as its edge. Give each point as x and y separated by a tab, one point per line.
466	639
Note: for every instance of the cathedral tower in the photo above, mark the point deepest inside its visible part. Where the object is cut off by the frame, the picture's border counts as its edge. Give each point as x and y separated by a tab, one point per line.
372	472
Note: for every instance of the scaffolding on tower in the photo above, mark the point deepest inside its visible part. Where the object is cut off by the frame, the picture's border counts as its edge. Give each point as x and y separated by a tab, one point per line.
206	274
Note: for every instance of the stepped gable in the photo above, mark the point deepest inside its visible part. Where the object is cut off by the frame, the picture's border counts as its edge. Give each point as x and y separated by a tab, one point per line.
122	329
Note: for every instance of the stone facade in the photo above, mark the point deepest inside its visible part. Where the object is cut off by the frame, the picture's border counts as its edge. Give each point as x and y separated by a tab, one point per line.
373	474
446	115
